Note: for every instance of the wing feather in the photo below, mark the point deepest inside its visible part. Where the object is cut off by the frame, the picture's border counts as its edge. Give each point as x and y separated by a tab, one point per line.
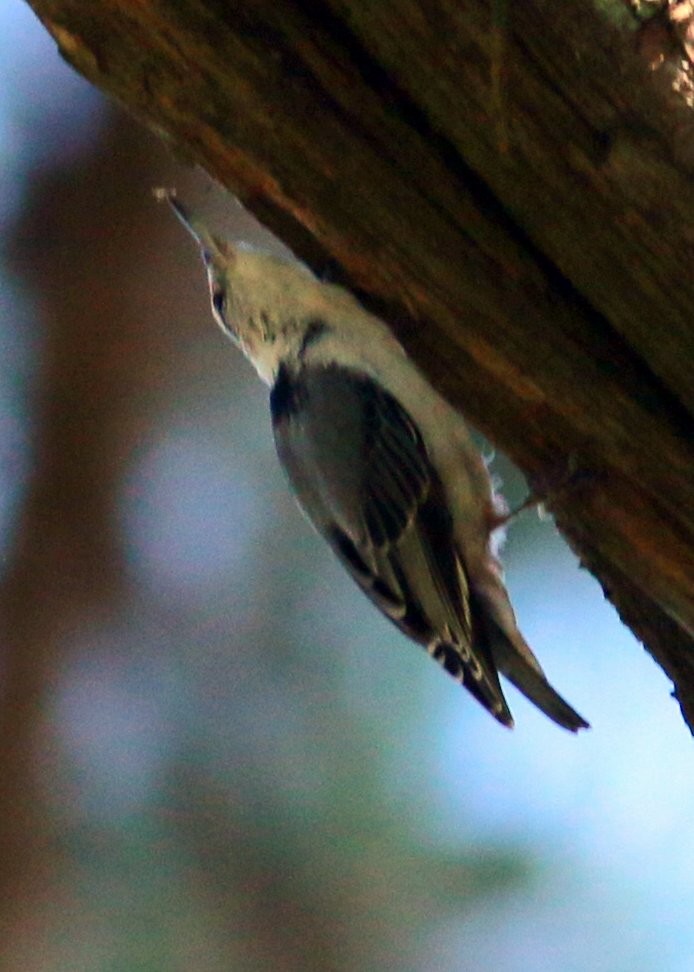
362	474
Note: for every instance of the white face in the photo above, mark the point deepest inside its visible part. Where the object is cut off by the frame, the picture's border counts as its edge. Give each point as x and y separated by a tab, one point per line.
237	325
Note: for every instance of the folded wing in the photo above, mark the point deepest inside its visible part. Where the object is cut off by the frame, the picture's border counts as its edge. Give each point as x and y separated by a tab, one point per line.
362	474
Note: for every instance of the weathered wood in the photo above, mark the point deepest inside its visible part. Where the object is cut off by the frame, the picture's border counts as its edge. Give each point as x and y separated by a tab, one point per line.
510	185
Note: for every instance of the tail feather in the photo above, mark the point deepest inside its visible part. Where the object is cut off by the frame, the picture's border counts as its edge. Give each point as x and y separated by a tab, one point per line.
530	679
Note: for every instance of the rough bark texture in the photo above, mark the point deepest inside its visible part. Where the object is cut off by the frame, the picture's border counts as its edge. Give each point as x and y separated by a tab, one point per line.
510	185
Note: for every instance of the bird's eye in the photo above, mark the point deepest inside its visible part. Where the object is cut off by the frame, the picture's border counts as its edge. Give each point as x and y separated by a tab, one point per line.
218	302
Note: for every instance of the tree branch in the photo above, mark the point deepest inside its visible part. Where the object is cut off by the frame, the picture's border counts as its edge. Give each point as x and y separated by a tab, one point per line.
509	185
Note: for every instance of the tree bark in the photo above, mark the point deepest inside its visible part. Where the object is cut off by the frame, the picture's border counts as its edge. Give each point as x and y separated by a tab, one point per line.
510	185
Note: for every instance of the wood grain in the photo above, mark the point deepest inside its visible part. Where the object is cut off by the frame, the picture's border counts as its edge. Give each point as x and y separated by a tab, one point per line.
510	185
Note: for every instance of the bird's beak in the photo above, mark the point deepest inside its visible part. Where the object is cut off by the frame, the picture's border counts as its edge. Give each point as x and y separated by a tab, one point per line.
216	253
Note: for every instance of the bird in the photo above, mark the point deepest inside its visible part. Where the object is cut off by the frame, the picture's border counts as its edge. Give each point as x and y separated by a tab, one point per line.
382	465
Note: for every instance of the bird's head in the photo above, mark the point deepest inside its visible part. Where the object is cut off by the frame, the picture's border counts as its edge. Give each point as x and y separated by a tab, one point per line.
256	297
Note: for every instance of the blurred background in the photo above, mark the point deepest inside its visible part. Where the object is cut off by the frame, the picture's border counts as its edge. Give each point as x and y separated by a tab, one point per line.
216	755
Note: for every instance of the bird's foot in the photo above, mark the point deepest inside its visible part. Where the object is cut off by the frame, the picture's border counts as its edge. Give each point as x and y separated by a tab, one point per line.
565	476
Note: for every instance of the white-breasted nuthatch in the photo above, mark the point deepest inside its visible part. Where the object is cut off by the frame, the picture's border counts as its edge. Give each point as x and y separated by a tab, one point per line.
381	464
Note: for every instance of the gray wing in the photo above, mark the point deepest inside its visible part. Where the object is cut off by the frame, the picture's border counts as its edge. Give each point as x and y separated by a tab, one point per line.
362	474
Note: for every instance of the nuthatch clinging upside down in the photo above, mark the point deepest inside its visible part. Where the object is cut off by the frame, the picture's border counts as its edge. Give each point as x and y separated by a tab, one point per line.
381	464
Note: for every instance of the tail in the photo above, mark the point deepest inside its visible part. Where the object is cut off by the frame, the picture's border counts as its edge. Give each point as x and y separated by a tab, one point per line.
524	671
